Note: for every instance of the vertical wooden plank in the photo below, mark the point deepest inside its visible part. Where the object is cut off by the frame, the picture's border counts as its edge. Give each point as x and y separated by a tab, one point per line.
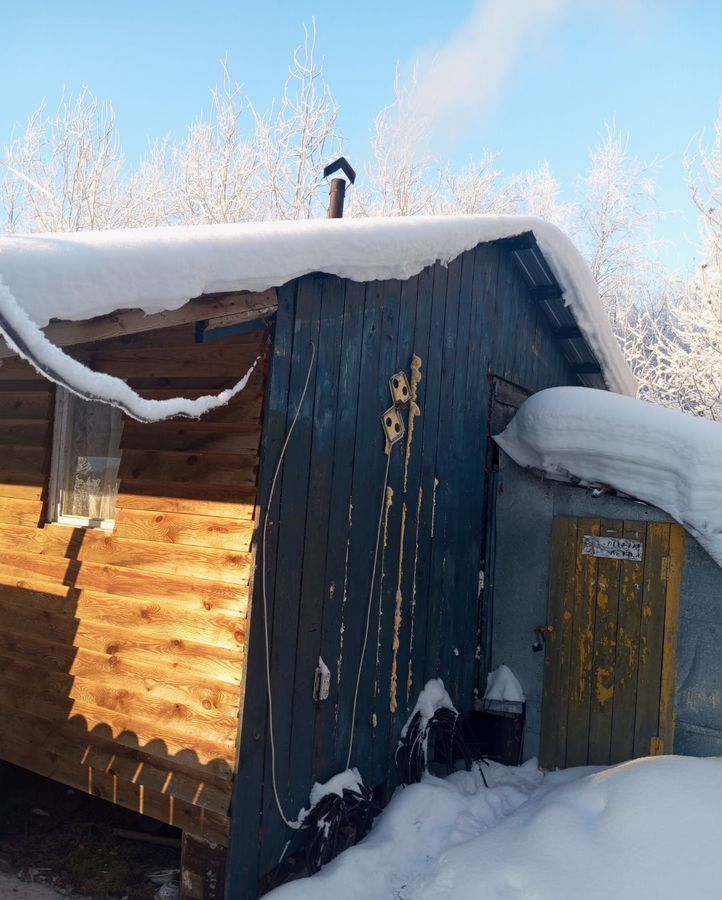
442	602
627	656
308	647
502	326
427	600
562	575
293	494
465	478
677	543
429	323
520	327
405	486
605	645
377	690
414	634
651	637
328	758
203	869
246	828
580	676
477	530
368	473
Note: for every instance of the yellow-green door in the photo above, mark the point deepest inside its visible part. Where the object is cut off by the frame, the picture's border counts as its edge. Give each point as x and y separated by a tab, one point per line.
611	642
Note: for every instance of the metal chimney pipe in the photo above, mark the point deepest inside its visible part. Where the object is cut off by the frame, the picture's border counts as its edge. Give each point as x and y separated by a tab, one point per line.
337	193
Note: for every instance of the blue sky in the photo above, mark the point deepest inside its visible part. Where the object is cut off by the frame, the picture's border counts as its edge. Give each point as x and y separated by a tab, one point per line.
654	66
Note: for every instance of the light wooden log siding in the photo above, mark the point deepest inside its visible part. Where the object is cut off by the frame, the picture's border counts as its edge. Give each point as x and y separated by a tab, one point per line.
122	655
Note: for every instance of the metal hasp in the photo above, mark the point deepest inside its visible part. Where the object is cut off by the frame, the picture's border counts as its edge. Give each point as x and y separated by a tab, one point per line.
337	193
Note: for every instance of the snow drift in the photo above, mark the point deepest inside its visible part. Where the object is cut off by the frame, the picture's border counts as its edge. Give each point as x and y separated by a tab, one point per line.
664	457
647	828
78	276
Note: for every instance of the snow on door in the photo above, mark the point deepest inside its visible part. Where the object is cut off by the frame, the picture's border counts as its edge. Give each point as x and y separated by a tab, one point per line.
611	646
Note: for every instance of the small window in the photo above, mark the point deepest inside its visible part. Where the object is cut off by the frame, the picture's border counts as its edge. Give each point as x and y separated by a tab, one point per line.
86	459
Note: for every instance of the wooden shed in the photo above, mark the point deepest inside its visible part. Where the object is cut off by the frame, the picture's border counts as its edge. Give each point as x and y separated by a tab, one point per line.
617	503
132	638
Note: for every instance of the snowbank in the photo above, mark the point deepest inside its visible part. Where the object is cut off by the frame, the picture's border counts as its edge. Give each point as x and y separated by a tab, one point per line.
503	685
13	887
647	828
658	455
78	276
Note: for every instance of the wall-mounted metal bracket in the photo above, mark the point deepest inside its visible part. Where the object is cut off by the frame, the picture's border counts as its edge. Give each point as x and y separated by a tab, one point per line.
393	426
321	681
400	390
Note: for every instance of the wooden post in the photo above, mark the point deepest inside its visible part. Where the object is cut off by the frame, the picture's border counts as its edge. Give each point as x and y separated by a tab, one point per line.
203	869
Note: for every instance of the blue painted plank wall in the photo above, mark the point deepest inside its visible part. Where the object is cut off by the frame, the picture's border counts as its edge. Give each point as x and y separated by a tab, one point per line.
466	321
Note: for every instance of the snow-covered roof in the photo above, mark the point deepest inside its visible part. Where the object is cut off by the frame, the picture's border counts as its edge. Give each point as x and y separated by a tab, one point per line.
659	455
79	276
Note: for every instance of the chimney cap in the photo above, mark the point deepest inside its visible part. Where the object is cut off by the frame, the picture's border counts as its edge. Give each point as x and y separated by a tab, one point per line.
343	164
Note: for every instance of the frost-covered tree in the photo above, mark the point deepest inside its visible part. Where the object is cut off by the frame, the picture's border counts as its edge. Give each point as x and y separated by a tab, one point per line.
212	175
294	142
684	366
538	193
403	179
64	172
613	227
478	188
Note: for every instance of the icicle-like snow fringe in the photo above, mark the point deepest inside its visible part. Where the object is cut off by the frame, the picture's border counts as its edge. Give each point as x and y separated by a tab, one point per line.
28	341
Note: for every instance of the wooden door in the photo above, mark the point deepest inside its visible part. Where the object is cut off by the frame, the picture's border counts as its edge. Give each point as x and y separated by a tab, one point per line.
611	644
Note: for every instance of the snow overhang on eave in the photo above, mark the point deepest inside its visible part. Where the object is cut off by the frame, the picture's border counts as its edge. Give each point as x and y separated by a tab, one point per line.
89	274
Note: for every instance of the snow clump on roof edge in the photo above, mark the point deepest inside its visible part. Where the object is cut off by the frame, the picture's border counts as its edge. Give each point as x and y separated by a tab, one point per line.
659	455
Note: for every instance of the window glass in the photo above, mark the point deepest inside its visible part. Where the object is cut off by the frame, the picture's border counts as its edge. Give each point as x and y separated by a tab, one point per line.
87	459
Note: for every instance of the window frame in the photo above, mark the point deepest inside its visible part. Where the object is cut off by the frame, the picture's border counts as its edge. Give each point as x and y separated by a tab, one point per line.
60	450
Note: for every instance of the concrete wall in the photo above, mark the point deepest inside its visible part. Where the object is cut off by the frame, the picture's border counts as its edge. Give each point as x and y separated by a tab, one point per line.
519	580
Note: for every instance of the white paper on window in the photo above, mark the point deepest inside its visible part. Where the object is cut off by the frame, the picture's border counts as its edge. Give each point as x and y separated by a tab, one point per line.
90	459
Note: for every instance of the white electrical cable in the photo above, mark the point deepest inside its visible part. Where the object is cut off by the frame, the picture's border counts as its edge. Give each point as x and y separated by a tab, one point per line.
291	824
296	824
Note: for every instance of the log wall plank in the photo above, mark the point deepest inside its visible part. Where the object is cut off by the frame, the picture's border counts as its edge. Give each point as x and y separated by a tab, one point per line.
122	654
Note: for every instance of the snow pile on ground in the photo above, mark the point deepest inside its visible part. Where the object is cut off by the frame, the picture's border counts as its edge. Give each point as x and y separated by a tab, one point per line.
13	888
503	685
78	276
664	457
647	828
